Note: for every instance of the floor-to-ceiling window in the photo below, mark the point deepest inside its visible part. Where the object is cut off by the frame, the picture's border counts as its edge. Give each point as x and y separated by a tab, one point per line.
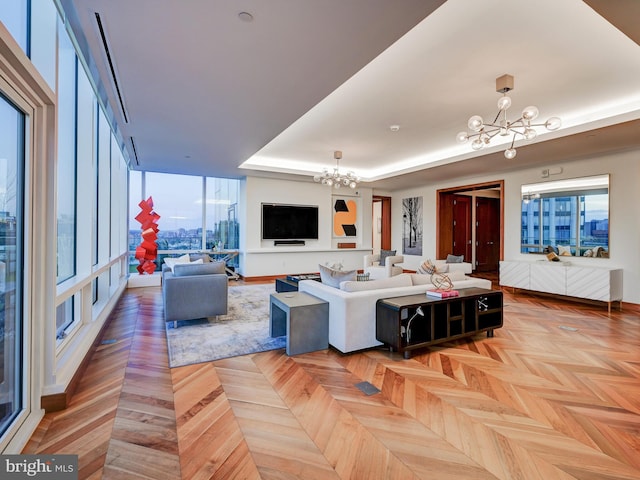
196	213
14	15
12	142
222	228
62	213
66	188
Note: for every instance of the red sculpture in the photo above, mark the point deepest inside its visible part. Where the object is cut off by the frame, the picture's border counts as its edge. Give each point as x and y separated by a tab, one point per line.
147	251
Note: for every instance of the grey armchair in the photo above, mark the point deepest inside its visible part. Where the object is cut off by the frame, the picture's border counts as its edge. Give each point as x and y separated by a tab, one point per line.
194	291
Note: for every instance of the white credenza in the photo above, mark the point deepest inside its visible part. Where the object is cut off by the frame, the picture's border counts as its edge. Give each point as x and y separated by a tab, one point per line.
562	278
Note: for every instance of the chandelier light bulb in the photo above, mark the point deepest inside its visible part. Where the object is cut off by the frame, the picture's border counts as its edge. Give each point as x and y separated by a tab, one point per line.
329	182
553	123
510	153
530	113
462	137
475	123
352	184
481	133
504	103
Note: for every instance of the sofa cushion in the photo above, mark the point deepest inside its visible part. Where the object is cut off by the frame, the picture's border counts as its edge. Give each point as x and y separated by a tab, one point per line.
198	268
403	280
332	277
454	276
384	254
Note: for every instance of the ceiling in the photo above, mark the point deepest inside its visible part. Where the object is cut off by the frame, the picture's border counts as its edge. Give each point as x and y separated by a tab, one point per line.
193	87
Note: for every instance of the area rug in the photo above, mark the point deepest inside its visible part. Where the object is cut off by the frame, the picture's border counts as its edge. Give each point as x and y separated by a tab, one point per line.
244	330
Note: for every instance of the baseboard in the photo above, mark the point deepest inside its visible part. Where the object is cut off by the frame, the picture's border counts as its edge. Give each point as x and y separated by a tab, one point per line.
136	280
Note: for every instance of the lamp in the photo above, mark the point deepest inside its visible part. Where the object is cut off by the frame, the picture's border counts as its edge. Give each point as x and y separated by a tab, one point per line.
418	312
482	132
335	179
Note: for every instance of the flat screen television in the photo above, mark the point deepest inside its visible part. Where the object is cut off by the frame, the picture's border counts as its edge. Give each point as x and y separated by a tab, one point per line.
289	222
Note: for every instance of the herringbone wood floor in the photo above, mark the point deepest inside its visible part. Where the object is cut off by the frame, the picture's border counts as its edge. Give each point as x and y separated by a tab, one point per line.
554	395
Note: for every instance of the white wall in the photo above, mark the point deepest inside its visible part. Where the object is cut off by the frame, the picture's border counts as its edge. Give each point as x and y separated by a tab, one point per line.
624	229
261	258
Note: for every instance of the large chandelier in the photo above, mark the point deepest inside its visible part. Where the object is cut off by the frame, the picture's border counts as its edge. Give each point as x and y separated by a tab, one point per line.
482	132
335	179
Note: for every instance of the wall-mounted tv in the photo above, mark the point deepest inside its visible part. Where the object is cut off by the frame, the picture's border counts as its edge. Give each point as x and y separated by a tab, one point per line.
289	222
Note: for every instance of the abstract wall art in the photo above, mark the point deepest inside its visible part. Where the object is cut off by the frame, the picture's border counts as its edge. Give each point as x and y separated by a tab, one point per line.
345	217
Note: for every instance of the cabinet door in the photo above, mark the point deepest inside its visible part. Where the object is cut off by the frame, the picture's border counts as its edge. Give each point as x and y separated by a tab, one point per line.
548	278
592	283
514	274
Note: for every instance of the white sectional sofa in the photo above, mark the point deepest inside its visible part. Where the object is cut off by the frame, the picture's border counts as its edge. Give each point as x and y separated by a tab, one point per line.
352	307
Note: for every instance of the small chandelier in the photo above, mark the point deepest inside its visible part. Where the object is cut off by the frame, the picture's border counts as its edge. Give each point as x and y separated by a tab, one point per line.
482	132
335	179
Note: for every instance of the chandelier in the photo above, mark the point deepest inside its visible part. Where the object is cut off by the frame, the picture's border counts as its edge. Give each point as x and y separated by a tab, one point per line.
335	179
482	133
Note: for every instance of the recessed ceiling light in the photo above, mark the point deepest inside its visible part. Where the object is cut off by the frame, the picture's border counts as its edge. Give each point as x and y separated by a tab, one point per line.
394	128
245	17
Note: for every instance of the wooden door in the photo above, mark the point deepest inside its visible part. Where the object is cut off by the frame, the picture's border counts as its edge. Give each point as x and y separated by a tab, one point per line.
487	234
385	227
462	225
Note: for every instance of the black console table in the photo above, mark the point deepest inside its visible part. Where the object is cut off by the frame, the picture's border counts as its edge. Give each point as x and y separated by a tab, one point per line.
417	321
290	283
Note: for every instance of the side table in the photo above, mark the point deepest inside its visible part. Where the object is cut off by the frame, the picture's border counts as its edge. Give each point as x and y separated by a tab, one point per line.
303	318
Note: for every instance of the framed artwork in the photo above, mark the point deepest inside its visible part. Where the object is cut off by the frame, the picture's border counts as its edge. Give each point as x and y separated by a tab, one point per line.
412	226
345	217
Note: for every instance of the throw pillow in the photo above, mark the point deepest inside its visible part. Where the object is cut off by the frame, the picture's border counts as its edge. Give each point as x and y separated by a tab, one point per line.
384	254
455	258
427	268
171	262
331	277
564	250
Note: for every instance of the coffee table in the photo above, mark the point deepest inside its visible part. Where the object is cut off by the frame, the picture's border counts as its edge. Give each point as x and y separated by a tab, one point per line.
303	318
290	283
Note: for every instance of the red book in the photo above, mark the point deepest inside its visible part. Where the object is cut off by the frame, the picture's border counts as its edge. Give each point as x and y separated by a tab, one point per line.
438	292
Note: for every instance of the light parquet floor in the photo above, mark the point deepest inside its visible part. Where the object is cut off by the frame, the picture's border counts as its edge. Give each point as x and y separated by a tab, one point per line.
555	394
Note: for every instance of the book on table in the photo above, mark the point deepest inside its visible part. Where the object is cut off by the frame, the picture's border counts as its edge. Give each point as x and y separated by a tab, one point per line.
440	293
